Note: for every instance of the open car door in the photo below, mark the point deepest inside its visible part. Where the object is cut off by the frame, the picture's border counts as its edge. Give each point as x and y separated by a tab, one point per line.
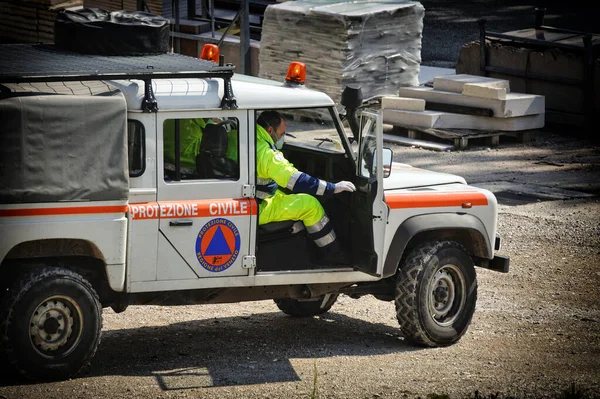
368	205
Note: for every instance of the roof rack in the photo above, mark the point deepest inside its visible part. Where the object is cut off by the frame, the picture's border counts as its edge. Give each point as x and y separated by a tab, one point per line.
21	63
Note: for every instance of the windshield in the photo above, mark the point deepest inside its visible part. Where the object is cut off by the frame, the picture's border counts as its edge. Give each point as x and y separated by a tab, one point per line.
312	127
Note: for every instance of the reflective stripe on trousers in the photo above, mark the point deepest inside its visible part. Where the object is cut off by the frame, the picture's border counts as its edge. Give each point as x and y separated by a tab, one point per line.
322	232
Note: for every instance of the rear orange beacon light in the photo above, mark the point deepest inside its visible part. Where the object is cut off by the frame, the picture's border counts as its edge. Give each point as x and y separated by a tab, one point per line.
296	73
210	52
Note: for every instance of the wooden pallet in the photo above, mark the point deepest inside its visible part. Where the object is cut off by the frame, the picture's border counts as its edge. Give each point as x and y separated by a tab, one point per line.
457	139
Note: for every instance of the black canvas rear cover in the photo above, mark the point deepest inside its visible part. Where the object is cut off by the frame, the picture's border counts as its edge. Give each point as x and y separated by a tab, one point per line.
63	148
97	31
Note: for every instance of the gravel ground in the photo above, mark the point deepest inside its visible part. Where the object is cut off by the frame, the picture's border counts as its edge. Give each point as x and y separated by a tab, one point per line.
535	331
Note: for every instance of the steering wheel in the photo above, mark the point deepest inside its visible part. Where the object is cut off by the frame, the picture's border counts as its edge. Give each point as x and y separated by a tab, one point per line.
228	124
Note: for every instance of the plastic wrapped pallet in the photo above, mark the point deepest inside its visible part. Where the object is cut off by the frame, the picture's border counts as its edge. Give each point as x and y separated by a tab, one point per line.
373	44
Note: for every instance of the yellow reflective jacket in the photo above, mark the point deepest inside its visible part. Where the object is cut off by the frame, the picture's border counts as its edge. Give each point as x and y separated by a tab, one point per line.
270	162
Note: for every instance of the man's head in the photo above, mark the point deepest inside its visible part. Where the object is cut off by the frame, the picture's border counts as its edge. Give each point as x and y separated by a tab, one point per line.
274	123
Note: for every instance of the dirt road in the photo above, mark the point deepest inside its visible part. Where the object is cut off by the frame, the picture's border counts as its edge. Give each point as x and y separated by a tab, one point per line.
535	331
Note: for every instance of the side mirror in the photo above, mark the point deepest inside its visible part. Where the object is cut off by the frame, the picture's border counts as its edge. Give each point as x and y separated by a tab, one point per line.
371	168
388	155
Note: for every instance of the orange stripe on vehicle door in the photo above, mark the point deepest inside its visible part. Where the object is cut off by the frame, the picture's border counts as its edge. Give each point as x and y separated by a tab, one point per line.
435	200
192	209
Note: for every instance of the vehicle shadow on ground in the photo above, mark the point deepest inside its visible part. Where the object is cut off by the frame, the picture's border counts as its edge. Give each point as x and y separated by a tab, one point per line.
256	349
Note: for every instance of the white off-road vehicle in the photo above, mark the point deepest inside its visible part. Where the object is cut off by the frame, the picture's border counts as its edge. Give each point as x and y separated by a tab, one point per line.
95	212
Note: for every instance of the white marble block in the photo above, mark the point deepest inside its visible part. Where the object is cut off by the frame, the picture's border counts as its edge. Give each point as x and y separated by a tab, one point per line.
445	120
455	83
484	91
515	104
404	103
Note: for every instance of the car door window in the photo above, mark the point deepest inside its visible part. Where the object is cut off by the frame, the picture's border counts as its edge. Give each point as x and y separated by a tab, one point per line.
208	149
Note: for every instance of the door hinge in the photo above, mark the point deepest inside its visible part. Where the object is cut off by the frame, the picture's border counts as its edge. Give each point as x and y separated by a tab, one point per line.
248	191
249	262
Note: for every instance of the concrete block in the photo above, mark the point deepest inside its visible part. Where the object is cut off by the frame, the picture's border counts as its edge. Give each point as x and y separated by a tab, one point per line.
515	104
404	103
444	120
455	83
484	91
410	118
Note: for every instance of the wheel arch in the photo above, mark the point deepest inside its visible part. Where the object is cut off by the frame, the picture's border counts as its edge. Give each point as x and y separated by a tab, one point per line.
465	229
78	255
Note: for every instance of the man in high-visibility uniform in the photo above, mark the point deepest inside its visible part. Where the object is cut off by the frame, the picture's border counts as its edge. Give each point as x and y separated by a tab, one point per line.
274	171
190	137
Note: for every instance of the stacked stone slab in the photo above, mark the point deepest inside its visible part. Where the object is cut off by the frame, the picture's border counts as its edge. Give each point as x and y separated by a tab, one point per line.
510	111
372	44
31	21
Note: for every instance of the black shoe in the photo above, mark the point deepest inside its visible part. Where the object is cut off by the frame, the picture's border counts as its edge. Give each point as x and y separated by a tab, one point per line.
334	258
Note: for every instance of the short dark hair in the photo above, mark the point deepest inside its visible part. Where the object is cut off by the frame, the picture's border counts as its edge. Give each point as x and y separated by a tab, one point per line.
270	118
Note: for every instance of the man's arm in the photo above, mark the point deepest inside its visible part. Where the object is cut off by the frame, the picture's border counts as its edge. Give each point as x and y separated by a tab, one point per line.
286	175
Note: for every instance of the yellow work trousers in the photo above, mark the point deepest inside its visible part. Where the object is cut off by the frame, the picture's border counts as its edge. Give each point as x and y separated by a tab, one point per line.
283	206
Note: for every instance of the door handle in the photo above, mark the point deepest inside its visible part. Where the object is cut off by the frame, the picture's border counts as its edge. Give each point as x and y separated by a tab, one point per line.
177	223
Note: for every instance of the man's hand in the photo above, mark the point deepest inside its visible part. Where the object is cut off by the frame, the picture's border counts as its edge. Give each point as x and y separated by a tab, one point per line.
344	186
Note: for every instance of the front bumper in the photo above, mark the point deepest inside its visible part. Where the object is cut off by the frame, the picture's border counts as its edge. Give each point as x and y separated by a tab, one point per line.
499	263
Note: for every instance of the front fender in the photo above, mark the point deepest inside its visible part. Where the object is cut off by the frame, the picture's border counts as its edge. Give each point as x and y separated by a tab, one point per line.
465	228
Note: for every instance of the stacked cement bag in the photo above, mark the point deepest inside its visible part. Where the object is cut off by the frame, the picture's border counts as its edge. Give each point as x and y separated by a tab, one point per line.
373	44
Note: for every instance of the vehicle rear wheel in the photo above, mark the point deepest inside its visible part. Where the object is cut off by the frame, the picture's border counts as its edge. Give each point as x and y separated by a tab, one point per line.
436	292
50	324
296	308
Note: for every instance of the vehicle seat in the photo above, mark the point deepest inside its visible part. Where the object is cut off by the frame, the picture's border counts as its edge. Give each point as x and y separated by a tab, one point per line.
211	162
275	230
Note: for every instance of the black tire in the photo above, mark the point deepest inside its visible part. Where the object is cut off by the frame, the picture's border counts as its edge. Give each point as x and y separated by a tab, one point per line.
436	317
296	308
50	324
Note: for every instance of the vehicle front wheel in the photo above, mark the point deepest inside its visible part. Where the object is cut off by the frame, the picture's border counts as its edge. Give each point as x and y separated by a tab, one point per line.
436	292
50	324
294	307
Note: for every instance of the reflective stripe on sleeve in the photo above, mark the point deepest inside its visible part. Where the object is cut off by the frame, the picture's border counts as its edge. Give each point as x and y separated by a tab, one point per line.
262	195
322	187
265	188
293	179
263	182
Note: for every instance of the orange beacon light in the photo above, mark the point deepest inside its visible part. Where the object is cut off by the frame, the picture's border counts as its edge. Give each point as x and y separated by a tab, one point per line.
296	73
210	52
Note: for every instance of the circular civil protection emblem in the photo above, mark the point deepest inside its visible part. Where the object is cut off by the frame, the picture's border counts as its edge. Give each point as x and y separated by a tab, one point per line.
218	245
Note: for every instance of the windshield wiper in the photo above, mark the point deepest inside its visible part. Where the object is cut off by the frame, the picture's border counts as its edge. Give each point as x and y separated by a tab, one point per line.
323	140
